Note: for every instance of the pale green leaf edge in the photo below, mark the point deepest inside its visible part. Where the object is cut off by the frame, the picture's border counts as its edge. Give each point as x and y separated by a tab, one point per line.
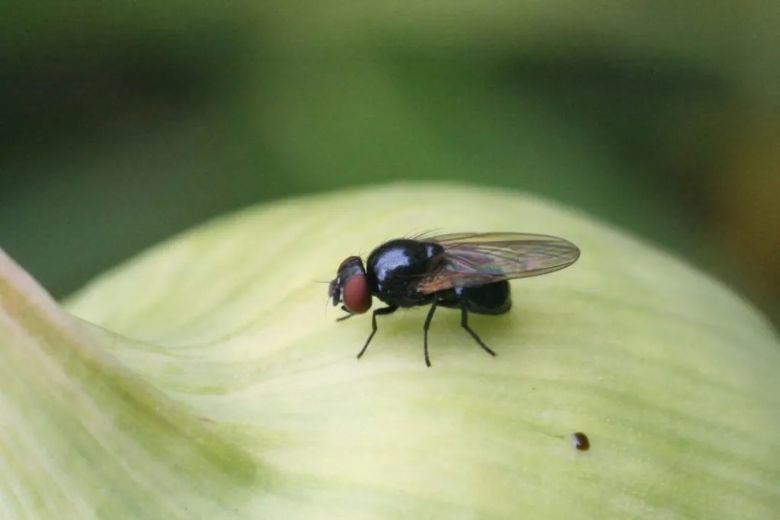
83	438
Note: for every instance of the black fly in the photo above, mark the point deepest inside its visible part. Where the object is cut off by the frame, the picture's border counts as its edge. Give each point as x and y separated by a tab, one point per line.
466	271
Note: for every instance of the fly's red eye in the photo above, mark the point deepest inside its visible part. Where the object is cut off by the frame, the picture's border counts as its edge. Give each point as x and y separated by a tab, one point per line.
356	294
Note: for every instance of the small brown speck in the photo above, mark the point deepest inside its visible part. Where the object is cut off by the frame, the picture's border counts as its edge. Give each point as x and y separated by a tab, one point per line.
580	441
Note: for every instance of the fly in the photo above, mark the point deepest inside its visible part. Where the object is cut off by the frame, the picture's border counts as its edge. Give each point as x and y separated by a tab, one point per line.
466	271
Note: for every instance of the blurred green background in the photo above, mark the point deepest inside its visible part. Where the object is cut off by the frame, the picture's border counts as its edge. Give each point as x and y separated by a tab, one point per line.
123	123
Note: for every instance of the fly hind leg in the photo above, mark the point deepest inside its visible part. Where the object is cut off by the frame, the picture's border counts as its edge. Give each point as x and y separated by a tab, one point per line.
426	326
464	322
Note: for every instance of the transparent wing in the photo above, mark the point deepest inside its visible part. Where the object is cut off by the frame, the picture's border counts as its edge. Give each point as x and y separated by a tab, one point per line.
472	259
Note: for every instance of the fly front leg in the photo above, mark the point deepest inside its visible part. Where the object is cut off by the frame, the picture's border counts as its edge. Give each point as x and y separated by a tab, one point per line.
379	312
349	314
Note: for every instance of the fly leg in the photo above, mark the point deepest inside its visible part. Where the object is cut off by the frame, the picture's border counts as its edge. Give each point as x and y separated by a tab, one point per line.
464	322
426	326
348	315
379	312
